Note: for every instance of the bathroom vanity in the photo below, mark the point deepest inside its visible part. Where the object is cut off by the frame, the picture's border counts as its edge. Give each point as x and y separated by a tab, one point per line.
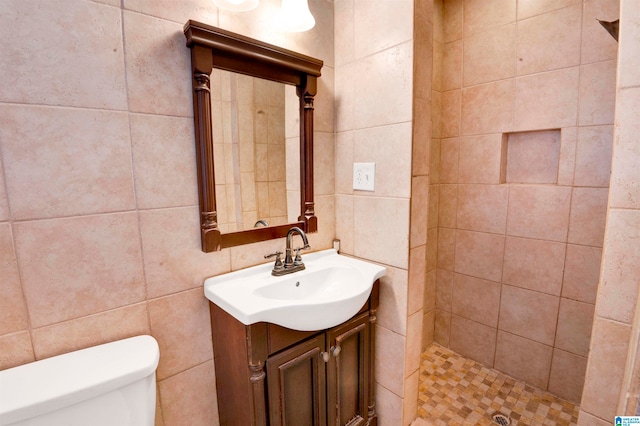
267	374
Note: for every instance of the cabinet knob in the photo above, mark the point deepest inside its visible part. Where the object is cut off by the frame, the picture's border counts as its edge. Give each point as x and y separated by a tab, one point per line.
325	356
335	350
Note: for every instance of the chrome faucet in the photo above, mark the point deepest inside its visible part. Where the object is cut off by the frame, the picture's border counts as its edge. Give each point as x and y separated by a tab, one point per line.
291	264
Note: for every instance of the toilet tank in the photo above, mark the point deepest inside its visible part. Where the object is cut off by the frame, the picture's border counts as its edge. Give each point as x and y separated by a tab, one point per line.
105	385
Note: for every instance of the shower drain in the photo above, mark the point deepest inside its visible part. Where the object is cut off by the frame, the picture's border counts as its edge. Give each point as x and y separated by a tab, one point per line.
501	419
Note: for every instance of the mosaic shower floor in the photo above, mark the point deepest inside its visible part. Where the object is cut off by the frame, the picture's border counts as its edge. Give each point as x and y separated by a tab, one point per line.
458	391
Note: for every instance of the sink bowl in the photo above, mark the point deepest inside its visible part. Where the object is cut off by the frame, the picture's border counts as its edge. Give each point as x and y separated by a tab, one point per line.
328	292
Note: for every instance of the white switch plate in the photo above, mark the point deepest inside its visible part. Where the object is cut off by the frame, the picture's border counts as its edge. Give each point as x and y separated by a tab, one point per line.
364	176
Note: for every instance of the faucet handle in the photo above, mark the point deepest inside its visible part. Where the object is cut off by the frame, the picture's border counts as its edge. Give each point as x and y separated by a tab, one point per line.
279	265
298	259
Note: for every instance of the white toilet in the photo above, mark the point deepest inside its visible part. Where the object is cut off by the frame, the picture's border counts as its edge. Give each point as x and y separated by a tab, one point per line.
106	385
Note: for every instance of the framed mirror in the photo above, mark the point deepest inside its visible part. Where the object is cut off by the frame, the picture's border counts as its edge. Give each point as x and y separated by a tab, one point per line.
243	93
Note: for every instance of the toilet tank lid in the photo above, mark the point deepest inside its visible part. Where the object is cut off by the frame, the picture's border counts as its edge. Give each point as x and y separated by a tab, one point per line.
43	386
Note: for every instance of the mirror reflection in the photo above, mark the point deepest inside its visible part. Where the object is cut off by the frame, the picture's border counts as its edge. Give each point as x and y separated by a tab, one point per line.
256	151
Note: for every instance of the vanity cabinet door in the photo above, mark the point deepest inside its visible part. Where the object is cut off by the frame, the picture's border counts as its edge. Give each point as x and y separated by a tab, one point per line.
348	373
297	385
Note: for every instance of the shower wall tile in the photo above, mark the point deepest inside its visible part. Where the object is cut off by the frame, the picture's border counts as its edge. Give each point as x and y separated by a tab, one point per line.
452	20
157	62
533	157
479	254
547	100
87	35
389	407
430	291
449	153
452	62
597	94
4	201
91	330
432	249
483	15
444	289
537	211
13	311
83	166
482	65
597	44
422	133
180	323
200	402
588	212
480	159
446	249
575	320
389	362
417	278
414	344
392	313
447	204
410	408
451	113
629	34
550	41
567	155
173	260
529	8
476	299
567	375
593	156
15	349
487	108
114	279
442	328
428	328
434	206
474	340
529	314
523	359
482	208
624	177
534	264
581	273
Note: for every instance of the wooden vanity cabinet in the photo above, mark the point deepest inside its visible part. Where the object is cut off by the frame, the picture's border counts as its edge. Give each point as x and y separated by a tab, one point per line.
271	375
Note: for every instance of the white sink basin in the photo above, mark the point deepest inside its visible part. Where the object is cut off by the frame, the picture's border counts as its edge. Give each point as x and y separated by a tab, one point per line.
328	292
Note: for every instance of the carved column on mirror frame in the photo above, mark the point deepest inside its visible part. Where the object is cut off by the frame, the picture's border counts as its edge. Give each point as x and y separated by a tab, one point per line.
210	233
307	92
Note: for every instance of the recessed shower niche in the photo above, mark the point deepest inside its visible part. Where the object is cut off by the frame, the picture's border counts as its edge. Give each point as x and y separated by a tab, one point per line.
531	157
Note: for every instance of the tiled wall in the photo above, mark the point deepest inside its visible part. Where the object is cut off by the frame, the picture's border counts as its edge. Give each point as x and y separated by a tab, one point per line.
99	231
374	86
612	386
517	262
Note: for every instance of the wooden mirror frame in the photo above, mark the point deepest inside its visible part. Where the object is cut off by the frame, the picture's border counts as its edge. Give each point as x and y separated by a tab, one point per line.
213	47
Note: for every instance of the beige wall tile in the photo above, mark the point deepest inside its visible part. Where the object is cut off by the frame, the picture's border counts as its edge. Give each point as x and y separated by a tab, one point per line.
547	100
432	249
344	222
479	254
539	212
628	43
447	205
417	278
414	344
388	406
157	63
392	313
179	12
344	27
344	162
473	340
82	166
523	359
410	406
534	264
180	323
423	46
4	201
449	154
482	208
442	330
446	249
605	368
581	273
15	349
390	149
533	157
91	330
575	320
452	62
588	212
618	288
567	155
586	419
164	161
324	109
483	15
529	314
191	392
567	375
444	289
626	154
430	291
391	248
345	105
596	45
550	41
434	206
87	35
597	94
324	162
451	113
529	8
480	159
476	299
97	259
482	65
173	259
13	311
487	108
593	156
452	20
381	25
428	329
384	85
389	362
422	133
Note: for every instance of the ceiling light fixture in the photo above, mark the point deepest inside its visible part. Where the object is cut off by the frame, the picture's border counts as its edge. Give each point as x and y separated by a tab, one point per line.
236	5
295	16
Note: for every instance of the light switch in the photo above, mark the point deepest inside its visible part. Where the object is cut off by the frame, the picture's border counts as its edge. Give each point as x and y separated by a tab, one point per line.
364	176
